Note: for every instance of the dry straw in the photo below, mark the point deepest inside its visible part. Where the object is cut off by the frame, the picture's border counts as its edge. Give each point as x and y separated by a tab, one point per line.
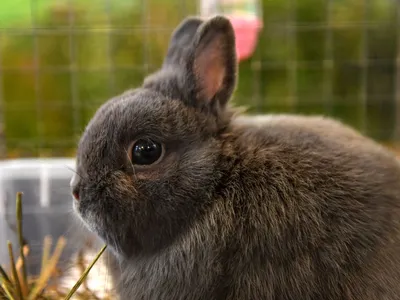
16	284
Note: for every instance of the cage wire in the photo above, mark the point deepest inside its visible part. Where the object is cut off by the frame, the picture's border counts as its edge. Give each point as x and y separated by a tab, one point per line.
397	77
60	61
3	152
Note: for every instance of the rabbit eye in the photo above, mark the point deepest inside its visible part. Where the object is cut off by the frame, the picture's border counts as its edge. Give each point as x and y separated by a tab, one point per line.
146	152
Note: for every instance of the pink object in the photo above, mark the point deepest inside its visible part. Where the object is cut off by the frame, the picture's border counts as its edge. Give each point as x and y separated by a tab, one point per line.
246	33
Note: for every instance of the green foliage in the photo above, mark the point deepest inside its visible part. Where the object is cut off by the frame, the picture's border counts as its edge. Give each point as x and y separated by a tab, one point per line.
55	78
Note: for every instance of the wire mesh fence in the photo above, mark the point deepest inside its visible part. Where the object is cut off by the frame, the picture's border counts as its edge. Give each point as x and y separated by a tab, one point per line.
60	61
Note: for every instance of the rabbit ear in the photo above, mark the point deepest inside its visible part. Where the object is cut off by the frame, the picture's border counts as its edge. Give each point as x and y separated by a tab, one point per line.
181	40
212	65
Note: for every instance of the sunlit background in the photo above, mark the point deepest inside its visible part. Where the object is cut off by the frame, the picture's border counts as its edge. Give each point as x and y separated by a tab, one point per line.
60	60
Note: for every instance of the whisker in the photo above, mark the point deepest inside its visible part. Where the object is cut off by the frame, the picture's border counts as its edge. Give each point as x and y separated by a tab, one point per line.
74	171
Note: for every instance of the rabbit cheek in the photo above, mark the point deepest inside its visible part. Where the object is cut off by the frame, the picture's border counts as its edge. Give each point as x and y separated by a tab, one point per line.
155	172
148	175
123	185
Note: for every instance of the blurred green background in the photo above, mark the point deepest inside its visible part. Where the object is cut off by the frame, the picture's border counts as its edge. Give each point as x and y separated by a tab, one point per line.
60	60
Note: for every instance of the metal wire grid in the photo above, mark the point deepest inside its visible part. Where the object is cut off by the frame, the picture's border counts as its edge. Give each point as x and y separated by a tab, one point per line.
397	77
2	137
364	99
256	98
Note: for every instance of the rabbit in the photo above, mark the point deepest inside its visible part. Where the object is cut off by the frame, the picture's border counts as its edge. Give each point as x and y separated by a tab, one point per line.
198	200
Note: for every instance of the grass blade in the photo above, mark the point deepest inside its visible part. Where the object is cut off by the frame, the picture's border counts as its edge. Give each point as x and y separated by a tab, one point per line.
47	272
46	251
7	290
84	275
18	265
19	260
24	281
3	275
14	270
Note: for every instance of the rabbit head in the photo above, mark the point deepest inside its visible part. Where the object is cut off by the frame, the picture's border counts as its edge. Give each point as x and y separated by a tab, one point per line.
147	161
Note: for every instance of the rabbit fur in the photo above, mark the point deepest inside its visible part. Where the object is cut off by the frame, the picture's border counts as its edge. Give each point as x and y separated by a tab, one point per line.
275	207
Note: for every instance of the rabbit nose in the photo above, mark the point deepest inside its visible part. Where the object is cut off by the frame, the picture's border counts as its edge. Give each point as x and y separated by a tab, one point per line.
75	188
75	193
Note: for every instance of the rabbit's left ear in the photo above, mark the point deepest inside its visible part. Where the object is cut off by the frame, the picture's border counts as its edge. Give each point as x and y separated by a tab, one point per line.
212	65
181	40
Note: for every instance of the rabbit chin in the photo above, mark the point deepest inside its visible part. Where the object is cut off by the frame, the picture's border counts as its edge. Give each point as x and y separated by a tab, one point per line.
88	219
98	226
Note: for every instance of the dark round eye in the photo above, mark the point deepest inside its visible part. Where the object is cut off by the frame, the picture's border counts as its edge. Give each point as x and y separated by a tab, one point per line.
146	152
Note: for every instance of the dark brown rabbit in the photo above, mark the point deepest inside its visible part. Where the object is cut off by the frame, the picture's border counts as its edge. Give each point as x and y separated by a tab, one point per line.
197	201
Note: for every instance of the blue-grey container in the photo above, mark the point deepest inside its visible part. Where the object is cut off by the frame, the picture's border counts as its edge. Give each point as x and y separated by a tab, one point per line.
47	208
